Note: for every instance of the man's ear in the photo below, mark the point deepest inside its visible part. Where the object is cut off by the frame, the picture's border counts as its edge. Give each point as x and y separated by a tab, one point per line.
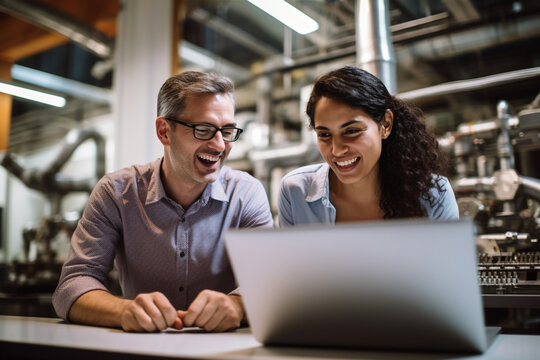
163	130
387	123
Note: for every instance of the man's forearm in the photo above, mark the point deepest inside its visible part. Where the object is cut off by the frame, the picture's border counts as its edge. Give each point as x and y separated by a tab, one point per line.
97	307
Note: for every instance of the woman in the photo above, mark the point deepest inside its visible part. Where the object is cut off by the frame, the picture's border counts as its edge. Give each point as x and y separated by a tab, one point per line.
381	161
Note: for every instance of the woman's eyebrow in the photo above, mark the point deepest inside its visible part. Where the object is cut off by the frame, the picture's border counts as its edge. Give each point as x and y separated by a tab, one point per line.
350	123
321	128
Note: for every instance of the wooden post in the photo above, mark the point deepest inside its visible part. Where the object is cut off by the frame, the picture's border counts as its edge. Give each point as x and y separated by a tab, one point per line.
5	106
179	10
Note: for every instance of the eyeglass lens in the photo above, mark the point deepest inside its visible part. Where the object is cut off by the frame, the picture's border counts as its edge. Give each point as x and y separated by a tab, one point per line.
206	132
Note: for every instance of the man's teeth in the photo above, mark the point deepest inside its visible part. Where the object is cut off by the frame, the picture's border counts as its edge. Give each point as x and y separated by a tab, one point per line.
209	157
346	163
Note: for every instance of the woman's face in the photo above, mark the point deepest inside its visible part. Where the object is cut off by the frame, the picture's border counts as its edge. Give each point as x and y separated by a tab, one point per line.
349	140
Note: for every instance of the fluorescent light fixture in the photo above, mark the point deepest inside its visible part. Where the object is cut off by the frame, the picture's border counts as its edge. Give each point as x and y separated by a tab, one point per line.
288	15
34	95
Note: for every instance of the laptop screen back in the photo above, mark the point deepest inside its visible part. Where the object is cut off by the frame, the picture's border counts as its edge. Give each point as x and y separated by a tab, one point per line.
394	284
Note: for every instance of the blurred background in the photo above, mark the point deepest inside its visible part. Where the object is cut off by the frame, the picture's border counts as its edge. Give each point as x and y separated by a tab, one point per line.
473	66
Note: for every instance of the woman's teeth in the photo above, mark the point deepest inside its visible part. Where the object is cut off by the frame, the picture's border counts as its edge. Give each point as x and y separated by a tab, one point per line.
346	163
208	158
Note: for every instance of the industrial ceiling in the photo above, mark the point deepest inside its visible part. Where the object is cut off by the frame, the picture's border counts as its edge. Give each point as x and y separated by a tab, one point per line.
494	42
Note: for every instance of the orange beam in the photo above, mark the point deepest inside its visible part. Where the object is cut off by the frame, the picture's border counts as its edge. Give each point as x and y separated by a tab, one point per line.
20	39
179	14
5	107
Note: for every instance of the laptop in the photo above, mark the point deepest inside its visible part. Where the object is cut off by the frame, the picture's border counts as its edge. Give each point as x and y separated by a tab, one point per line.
398	284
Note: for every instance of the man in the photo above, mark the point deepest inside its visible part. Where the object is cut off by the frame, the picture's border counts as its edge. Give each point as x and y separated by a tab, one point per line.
163	223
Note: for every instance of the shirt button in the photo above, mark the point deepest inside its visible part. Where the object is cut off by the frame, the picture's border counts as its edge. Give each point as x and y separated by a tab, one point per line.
183	219
181	288
182	254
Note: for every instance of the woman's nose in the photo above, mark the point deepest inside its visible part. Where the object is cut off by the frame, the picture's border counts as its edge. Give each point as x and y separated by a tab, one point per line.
338	147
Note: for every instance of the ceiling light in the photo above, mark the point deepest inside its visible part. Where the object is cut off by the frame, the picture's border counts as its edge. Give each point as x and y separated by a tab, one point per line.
34	95
288	15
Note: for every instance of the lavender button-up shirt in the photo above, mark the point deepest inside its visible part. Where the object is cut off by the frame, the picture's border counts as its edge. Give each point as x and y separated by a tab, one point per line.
156	244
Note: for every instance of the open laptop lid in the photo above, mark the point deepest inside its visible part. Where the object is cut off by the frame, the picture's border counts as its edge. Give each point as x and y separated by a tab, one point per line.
401	284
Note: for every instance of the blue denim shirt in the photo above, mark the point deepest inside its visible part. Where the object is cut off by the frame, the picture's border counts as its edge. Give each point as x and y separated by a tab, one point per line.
304	198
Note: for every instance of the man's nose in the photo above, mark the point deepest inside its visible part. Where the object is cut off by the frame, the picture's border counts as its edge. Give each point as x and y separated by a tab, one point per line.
217	141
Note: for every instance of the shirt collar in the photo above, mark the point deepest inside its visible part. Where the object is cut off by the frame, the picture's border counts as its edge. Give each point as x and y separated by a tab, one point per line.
319	186
215	190
156	190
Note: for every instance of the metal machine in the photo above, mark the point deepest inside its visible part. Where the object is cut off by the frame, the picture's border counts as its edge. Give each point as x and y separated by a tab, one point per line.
40	275
496	183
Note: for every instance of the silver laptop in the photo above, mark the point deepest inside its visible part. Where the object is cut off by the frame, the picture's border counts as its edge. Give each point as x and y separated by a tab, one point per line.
402	284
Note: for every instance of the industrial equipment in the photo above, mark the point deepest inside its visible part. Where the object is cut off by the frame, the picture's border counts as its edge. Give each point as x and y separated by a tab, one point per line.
28	279
496	183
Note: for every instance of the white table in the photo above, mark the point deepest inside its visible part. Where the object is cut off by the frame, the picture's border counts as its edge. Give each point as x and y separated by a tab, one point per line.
46	338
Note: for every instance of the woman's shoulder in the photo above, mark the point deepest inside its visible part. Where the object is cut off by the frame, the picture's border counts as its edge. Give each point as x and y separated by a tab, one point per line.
440	181
306	173
307	182
442	202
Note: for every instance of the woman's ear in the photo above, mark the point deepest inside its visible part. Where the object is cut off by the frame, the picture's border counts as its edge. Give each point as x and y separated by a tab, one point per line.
387	123
162	130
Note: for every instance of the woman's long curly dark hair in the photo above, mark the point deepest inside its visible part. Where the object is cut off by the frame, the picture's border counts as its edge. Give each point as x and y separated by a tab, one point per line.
411	162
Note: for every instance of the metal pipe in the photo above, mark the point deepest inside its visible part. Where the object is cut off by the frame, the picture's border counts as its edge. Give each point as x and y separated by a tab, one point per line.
374	50
480	127
504	144
477	184
470	85
48	180
305	152
58	83
51	19
232	32
531	187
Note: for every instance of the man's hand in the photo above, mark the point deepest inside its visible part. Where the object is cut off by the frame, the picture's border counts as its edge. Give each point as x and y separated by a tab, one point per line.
149	312
214	311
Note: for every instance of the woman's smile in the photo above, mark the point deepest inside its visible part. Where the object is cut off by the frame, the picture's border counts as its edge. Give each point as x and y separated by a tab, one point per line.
347	165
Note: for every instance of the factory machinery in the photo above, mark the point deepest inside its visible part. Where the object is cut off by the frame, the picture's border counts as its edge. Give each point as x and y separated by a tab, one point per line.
28	283
496	183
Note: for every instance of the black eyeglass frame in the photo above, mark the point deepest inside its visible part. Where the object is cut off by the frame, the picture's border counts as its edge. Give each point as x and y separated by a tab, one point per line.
194	127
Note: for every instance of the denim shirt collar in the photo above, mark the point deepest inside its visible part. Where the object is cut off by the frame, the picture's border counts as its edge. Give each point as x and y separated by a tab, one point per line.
319	187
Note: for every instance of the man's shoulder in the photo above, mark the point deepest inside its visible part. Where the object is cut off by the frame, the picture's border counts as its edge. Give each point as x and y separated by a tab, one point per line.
229	175
134	174
238	185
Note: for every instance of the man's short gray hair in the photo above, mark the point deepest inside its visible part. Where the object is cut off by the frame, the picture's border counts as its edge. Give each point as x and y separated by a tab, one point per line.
174	92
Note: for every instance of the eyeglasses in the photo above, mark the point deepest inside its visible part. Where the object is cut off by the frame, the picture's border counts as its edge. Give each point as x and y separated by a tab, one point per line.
208	131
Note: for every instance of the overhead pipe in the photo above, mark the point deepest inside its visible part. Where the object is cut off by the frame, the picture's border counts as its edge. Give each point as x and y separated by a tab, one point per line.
433	48
61	84
48	180
471	84
51	19
374	49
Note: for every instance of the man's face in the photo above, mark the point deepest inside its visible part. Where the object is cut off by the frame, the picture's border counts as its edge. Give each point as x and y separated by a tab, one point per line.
193	161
